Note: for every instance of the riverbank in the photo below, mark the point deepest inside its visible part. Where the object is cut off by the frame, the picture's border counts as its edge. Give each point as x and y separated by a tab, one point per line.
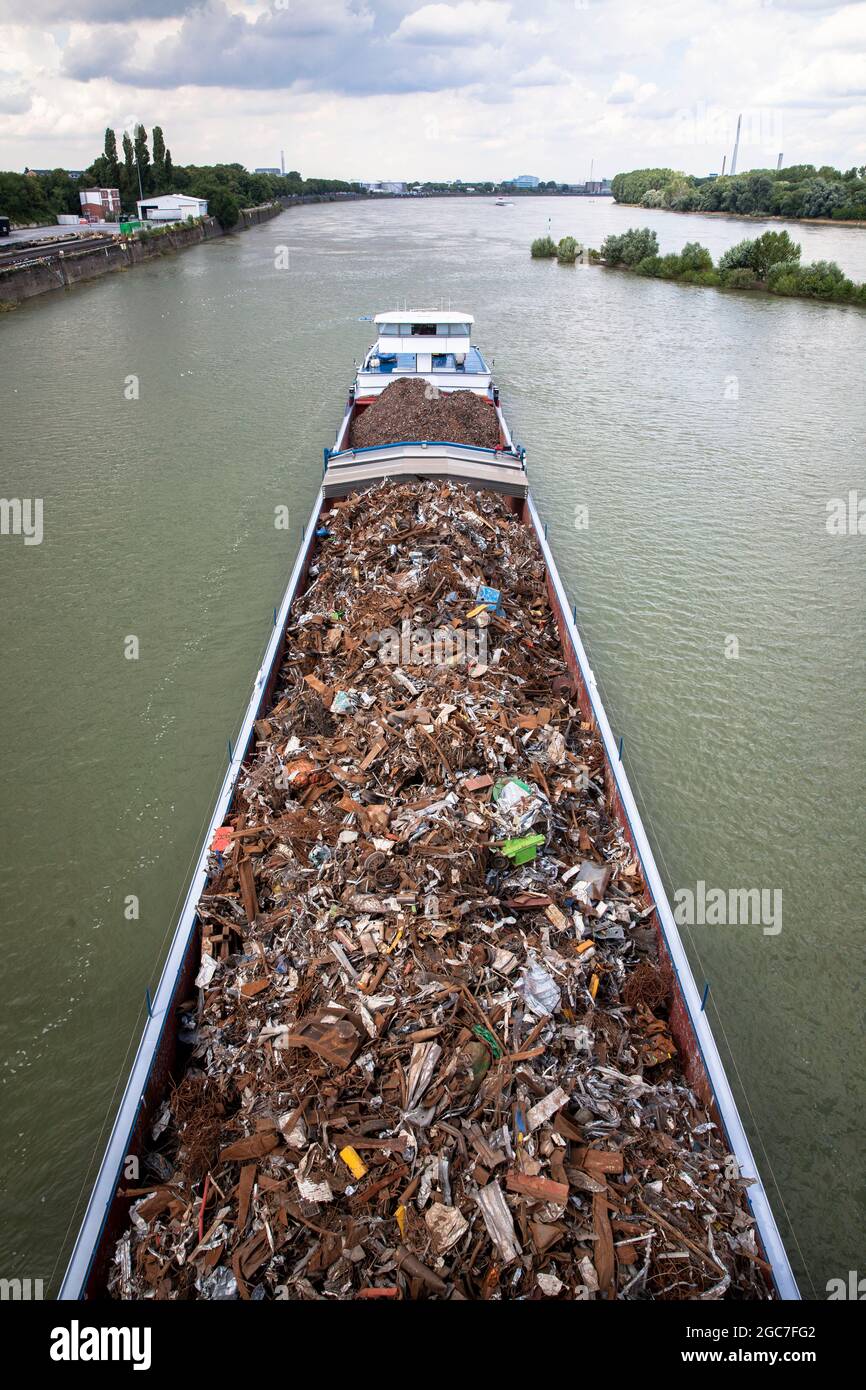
752	216
45	273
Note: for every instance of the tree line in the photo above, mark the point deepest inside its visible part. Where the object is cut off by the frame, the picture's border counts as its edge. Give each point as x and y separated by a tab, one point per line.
143	167
802	191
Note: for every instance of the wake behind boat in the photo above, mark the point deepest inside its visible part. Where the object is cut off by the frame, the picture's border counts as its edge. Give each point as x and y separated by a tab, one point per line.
427	1028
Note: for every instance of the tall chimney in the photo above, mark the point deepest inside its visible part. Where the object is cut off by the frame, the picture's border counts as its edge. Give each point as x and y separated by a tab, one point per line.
736	145
779	163
283	161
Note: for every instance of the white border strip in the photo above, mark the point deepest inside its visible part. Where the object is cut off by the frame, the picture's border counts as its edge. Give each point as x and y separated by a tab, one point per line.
110	1170
723	1095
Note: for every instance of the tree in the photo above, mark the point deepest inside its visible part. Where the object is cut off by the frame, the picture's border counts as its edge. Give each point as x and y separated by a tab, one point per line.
773	248
111	159
223	206
169	171
695	257
737	257
128	180
61	194
142	159
99	174
798	191
631	247
22	199
770	249
637	243
158	158
754	193
630	188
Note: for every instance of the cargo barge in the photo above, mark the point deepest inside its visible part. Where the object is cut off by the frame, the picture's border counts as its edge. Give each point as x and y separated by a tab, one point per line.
426	1027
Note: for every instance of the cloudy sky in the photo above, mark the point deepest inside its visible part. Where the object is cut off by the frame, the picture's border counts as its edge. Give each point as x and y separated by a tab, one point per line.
463	89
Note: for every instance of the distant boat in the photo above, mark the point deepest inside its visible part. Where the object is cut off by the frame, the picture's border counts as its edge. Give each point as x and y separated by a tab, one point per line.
504	203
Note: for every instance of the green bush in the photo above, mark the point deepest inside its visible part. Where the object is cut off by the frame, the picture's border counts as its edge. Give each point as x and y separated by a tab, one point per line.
738	269
566	251
639	242
737	257
707	277
695	257
543	248
820	280
760	255
783	278
742	277
631	247
771	249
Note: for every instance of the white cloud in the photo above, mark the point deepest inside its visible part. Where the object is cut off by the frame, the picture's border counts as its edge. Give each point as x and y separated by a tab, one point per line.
846	29
470	21
352	86
627	88
544	73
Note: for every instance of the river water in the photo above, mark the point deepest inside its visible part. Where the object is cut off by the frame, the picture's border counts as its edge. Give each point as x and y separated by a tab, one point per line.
706	434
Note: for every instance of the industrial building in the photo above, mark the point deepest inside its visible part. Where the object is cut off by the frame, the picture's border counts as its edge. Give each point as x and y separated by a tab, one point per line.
171	207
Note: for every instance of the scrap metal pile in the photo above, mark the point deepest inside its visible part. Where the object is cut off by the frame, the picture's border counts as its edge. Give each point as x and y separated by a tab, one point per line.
410	408
430	1055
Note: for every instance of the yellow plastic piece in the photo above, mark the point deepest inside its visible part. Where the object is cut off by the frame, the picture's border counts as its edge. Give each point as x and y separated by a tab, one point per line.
353	1161
401	1221
593	986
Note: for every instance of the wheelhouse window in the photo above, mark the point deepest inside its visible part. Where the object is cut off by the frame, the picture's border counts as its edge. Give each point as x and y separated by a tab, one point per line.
424	330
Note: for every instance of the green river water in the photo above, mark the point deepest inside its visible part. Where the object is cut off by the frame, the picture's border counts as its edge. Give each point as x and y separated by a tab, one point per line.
705	432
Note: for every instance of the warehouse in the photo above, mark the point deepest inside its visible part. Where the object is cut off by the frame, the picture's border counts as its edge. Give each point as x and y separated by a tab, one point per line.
171	207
